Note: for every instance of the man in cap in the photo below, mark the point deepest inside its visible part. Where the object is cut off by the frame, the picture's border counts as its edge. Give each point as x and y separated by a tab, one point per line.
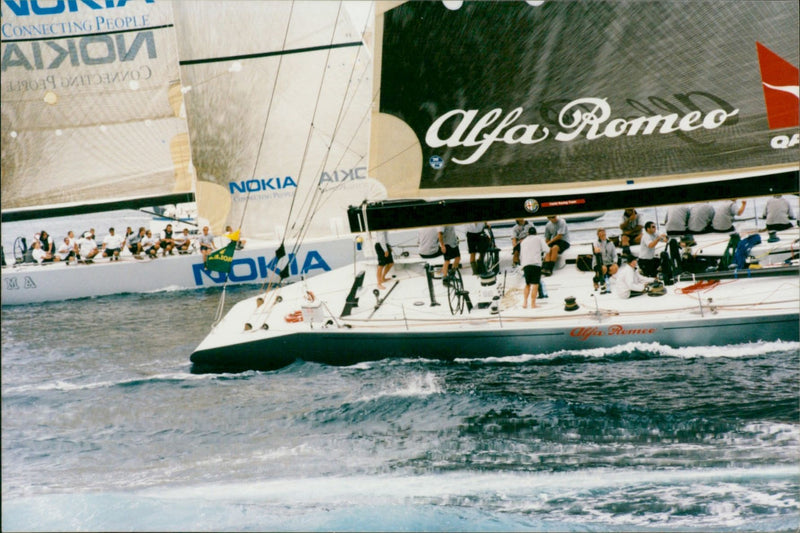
628	282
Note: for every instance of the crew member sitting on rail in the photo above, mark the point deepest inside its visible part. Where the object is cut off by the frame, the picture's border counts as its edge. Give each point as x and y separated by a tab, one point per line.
150	244
778	212
183	242
556	235
66	251
112	244
167	242
206	241
134	243
631	227
87	247
39	255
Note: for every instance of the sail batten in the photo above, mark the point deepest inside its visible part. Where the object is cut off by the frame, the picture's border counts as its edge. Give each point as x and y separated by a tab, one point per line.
399	214
259	55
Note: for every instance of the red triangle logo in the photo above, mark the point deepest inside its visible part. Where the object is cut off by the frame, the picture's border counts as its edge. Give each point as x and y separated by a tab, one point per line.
780	81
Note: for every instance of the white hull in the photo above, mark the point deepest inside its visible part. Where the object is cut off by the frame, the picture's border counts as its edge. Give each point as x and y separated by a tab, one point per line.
407	325
32	283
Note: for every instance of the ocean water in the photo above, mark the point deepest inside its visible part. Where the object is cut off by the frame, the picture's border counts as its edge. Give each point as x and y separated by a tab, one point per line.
104	427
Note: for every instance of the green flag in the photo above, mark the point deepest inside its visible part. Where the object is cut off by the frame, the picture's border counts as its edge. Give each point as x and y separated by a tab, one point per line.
222	259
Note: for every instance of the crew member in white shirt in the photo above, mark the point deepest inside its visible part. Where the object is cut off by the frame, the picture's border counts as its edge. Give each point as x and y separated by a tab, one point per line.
647	249
150	244
87	247
39	255
531	251
66	250
112	245
628	282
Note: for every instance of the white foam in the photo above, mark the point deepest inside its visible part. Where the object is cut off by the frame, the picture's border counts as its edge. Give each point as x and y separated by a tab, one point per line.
60	385
415	385
730	351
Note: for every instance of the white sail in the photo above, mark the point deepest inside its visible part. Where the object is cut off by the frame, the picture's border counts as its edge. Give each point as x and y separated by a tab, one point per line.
278	96
92	107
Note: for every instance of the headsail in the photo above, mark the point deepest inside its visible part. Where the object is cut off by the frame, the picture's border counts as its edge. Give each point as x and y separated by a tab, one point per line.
513	98
255	72
92	108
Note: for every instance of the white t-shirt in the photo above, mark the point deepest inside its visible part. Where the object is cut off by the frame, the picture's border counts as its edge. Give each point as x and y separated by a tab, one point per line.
38	255
645	252
113	242
148	242
63	250
628	279
475	227
86	246
531	250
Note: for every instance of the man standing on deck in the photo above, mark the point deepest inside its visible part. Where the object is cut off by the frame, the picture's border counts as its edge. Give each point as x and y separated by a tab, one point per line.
531	250
556	236
448	242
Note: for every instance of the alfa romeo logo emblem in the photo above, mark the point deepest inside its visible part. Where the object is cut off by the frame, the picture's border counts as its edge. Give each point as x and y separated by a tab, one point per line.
531	205
436	162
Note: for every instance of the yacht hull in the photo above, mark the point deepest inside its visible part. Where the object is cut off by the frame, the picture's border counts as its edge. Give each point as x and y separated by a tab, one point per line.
32	283
340	318
348	348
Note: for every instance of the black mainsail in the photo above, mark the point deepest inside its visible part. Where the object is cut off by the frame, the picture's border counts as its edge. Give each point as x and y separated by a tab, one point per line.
511	109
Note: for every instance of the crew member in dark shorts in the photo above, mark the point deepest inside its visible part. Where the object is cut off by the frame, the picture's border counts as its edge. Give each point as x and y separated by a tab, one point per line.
385	260
448	243
556	235
532	248
475	245
167	242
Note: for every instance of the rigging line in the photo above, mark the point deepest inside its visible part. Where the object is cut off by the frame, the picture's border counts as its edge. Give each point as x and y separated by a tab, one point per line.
316	200
319	197
311	128
308	140
269	111
316	197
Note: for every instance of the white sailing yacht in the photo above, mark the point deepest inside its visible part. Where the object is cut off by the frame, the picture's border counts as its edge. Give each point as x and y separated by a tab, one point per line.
497	111
99	111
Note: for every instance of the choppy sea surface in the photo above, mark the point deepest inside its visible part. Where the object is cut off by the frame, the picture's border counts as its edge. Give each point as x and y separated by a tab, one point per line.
104	427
